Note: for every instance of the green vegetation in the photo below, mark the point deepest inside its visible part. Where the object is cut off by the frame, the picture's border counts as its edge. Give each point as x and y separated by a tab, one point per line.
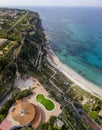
25	52
17	95
86	107
93	114
88	101
26	128
21	50
50	125
23	94
48	104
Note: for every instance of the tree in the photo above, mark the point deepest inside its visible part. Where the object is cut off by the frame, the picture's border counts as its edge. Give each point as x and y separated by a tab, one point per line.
23	93
93	114
45	126
3	63
50	128
12	68
86	107
52	120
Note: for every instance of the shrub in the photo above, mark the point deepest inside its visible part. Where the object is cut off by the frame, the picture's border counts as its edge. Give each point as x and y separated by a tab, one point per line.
24	93
3	63
86	107
93	114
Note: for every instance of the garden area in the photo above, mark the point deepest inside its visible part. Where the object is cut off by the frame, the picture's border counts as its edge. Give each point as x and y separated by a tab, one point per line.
47	103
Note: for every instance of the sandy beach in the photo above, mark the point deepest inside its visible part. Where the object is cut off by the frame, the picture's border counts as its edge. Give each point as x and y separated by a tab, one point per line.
72	75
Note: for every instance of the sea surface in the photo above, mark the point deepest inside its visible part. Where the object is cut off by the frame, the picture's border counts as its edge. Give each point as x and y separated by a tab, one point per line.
76	38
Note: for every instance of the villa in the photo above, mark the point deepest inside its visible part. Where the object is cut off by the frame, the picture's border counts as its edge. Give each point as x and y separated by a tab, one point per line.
26	114
30	110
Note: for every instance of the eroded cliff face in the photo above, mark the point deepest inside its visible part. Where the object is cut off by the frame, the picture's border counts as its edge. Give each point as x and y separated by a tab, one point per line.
32	51
25	47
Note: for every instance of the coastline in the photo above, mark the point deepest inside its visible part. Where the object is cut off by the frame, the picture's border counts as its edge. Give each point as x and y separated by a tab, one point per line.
71	74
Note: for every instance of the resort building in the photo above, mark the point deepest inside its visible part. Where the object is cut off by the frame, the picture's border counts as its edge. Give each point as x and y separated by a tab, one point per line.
26	114
31	110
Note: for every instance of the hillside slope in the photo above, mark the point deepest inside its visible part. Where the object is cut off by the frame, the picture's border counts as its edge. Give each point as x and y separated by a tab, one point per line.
24	48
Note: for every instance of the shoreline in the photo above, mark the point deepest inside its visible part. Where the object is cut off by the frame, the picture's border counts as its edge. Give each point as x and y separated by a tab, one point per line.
71	74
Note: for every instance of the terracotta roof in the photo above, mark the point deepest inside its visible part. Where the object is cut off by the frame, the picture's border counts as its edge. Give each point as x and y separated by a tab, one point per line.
24	113
37	120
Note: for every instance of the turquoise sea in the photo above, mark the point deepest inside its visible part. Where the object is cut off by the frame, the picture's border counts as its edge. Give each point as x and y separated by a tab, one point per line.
76	38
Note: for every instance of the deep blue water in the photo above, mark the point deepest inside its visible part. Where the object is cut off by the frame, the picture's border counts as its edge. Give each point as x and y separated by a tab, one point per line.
76	38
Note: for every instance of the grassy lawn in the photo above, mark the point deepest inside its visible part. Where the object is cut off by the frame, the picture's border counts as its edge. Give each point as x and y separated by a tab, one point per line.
47	103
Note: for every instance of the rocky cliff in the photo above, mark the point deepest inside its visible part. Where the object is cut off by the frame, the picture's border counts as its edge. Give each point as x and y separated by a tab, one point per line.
24	49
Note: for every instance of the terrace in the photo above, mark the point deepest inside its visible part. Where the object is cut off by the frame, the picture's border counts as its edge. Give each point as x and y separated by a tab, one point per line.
29	111
37	89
